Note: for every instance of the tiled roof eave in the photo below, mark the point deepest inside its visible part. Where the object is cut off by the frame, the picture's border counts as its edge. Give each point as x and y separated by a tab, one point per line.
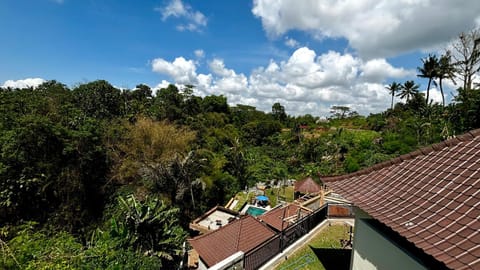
432	190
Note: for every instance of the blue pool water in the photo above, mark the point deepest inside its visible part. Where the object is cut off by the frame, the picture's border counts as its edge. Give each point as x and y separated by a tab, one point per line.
255	211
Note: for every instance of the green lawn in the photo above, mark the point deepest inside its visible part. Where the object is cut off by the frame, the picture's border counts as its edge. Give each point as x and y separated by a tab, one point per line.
304	258
242	197
285	193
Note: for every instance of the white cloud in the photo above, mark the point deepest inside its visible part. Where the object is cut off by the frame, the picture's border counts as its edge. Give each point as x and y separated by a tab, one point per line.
162	84
199	53
228	80
184	71
375	29
25	83
304	83
292	43
194	20
174	9
434	95
376	69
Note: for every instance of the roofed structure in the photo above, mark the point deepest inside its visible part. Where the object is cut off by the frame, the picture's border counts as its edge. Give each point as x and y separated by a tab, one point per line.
307	185
289	214
243	234
213	219
429	198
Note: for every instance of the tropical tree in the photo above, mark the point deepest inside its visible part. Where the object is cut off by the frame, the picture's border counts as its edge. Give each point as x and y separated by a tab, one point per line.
339	112
278	112
152	227
466	57
175	177
215	103
408	89
445	70
145	143
393	88
98	99
237	164
428	71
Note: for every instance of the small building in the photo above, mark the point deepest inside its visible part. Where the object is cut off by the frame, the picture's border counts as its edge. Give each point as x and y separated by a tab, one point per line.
241	235
306	186
418	211
213	219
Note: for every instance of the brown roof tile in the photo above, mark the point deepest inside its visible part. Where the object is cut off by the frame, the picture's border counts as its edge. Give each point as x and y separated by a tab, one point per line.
435	190
241	235
275	216
307	185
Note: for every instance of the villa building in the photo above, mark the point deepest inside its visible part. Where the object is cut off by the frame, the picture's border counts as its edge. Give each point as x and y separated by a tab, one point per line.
418	211
213	219
241	235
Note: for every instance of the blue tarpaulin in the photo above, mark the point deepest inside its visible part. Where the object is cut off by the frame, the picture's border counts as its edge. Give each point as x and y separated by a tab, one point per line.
262	198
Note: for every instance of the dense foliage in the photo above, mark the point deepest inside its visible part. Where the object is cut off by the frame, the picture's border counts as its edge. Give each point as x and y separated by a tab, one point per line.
96	177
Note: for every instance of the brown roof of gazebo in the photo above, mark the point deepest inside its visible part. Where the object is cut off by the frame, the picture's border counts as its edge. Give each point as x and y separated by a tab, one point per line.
307	185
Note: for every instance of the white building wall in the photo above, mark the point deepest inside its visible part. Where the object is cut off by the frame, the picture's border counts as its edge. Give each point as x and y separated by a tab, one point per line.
372	250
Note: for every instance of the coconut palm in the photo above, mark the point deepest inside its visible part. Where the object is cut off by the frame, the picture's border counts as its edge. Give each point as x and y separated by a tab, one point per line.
408	90
428	70
393	88
445	70
175	177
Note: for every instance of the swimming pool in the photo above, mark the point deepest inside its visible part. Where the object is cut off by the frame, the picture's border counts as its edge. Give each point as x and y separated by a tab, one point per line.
255	211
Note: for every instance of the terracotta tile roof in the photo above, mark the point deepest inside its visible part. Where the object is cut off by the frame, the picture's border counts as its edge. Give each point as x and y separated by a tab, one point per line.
288	214
307	185
241	235
431	197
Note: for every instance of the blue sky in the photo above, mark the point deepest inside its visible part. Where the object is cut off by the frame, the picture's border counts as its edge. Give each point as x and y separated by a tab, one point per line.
308	55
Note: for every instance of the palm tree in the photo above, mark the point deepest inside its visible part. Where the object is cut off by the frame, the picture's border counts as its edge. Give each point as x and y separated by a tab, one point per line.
408	89
445	70
175	177
428	70
394	87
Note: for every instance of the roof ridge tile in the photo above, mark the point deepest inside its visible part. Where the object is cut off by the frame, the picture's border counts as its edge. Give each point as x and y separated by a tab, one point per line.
237	244
475	132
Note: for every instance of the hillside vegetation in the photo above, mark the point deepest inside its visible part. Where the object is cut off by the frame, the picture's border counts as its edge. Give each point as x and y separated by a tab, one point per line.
96	177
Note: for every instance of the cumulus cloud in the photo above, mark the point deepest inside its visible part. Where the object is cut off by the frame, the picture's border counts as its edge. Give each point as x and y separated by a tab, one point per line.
376	69
162	84
227	79
304	83
194	20
371	27
25	83
199	53
184	71
292	43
